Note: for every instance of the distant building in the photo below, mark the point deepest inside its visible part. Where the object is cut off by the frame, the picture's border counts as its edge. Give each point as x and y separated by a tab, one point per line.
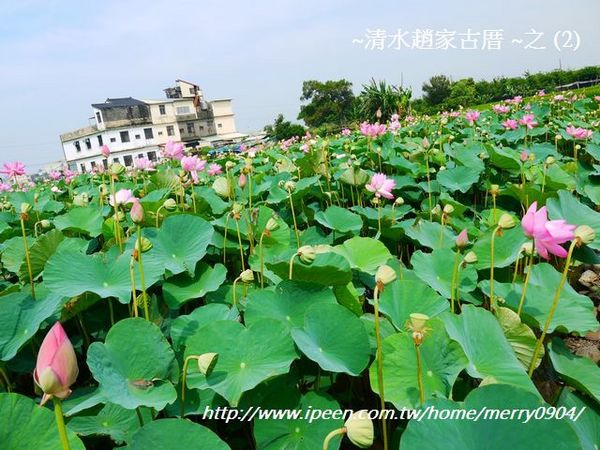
135	128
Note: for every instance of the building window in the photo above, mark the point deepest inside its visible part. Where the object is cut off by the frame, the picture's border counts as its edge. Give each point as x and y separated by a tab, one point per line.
219	125
82	167
148	134
128	160
160	133
116	160
99	117
140	155
170	130
88	143
77	146
124	136
201	128
181	130
152	156
105	164
192	91
161	109
137	136
93	163
183	110
113	139
100	141
190	128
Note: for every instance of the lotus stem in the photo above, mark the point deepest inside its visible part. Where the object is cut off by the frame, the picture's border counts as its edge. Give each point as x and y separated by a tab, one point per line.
429	187
516	271
158	215
27	259
525	284
442	230
133	290
540	341
379	358
225	239
139	416
454	280
494	208
111	311
492	301
239	236
419	373
294	217
234	292
141	268
261	259
5	379
60	424
379	218
292	265
331	435
183	379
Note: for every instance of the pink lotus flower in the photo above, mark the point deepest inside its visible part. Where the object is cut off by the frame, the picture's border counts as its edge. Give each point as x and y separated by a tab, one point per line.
578	133
346	132
137	211
55	175
517	99
559	97
242	179
123	197
5	187
472	116
597	98
372	130
305	148
105	151
547	234
462	239
214	169
510	124
524	156
173	150
454	114
193	165
541	93
13	169
382	186
56	368
143	164
528	120
500	109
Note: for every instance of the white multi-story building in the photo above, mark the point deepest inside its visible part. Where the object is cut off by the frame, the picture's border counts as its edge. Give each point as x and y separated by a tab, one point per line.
135	128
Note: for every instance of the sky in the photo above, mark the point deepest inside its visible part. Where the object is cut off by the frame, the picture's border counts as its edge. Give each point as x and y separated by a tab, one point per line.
60	56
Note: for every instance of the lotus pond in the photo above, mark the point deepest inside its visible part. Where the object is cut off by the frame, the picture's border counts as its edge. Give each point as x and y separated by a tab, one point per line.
445	262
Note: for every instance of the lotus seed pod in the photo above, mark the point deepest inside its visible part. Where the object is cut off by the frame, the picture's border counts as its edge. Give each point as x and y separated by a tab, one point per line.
418	321
25	208
436	211
272	224
558	137
116	168
385	275
221	187
550	160
146	244
359	429
448	209
417	337
585	233
307	254
470	258
399	201
237	208
578	147
527	248
290	186
45	223
506	221
242	179
494	189
229	165
247	276
170	204
207	362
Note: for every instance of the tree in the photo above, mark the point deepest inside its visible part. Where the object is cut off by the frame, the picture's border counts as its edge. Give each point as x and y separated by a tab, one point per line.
463	93
437	89
328	103
378	101
283	129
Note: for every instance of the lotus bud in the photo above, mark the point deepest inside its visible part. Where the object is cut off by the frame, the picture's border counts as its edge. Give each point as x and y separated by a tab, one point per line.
385	275
25	208
247	276
506	221
585	234
45	223
242	180
399	201
470	258
56	367
207	362
289	186
550	160
221	186
170	204
359	429
272	224
462	240
418	321
494	189
146	244
425	143
137	212
448	209
524	156
307	254
116	169
229	165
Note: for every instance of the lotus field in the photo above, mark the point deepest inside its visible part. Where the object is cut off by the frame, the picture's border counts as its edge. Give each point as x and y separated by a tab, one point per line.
444	263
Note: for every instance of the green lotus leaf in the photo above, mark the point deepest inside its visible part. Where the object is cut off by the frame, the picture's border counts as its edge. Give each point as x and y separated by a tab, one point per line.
429	234
490	355
567	207
512	432
181	288
135	366
521	338
247	356
187	325
507	248
587	425
39	252
82	220
13	253
328	269
458	178
175	434
441	362
31	427
339	219
364	254
334	338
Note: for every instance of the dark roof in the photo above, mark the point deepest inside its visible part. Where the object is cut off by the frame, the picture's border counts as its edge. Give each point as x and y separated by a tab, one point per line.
118	103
